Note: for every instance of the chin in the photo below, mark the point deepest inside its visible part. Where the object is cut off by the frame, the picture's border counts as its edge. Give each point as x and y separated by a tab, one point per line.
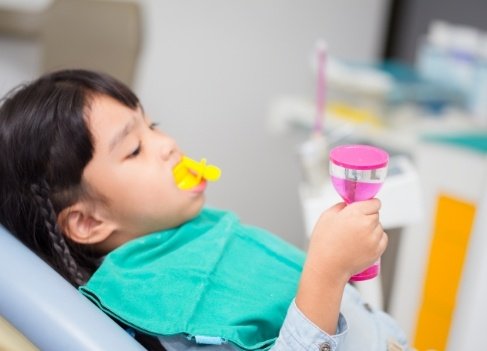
197	209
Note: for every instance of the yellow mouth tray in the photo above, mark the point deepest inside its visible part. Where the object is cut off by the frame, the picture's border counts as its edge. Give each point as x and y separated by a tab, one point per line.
189	173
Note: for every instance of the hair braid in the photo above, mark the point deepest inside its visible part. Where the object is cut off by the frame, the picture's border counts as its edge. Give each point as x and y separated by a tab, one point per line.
40	193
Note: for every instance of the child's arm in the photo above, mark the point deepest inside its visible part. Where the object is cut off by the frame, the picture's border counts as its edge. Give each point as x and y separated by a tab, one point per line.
345	240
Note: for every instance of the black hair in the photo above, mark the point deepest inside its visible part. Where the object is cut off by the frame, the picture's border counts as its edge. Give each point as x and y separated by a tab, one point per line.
45	144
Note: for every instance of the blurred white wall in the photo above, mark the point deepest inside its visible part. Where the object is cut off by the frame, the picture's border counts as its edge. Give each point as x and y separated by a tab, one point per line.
19	62
209	70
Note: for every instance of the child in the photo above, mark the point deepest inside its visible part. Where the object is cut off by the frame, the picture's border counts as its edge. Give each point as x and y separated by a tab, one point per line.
86	181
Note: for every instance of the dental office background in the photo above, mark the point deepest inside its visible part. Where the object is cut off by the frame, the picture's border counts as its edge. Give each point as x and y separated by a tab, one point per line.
234	82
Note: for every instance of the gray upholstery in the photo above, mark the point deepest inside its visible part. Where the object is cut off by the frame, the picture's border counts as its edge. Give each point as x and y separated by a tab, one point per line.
48	310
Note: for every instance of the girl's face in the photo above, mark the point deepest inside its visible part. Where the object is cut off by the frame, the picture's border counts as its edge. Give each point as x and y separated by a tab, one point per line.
132	171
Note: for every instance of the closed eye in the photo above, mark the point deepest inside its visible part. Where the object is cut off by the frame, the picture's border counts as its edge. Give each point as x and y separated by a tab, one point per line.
136	151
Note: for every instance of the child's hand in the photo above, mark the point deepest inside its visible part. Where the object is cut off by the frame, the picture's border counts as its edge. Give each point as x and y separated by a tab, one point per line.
347	239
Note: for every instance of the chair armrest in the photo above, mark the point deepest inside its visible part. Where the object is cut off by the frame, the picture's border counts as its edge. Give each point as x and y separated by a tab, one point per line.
47	310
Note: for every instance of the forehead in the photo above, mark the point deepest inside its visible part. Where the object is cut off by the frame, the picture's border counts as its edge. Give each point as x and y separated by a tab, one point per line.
107	116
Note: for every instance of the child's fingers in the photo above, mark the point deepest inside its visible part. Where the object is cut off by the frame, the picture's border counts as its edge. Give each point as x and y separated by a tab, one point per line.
337	207
368	207
383	241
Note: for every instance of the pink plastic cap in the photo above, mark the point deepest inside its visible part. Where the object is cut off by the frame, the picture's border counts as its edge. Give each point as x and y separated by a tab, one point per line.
361	157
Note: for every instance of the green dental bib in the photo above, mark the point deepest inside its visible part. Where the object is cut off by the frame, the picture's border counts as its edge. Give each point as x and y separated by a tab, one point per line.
210	278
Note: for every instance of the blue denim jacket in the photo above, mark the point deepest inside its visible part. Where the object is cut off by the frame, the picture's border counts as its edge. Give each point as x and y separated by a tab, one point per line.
359	328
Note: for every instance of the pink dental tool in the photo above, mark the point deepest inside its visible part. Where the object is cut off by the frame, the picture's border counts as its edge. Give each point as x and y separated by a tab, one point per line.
357	173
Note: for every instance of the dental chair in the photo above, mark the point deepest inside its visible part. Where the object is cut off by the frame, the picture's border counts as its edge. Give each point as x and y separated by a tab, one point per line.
47	310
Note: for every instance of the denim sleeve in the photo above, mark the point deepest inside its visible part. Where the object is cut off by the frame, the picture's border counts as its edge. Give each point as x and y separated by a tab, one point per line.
298	333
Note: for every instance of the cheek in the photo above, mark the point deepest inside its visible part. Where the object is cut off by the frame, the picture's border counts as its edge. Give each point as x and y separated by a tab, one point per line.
136	186
158	188
145	179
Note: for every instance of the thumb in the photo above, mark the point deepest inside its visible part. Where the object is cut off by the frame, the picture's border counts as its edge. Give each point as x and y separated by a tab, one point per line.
337	207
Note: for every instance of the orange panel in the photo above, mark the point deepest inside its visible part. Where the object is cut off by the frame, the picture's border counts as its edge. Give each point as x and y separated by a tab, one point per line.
451	234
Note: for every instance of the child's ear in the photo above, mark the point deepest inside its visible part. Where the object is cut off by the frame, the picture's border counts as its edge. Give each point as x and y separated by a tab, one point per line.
82	224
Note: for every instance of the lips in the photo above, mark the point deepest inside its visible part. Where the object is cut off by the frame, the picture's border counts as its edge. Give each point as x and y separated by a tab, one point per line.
199	188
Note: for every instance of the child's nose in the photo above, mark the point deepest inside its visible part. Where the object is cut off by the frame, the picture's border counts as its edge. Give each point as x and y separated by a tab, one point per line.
168	147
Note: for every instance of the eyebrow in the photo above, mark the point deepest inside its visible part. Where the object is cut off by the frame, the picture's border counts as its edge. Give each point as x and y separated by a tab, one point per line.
129	127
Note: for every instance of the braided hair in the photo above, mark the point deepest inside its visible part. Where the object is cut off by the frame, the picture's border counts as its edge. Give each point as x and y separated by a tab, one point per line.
45	144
